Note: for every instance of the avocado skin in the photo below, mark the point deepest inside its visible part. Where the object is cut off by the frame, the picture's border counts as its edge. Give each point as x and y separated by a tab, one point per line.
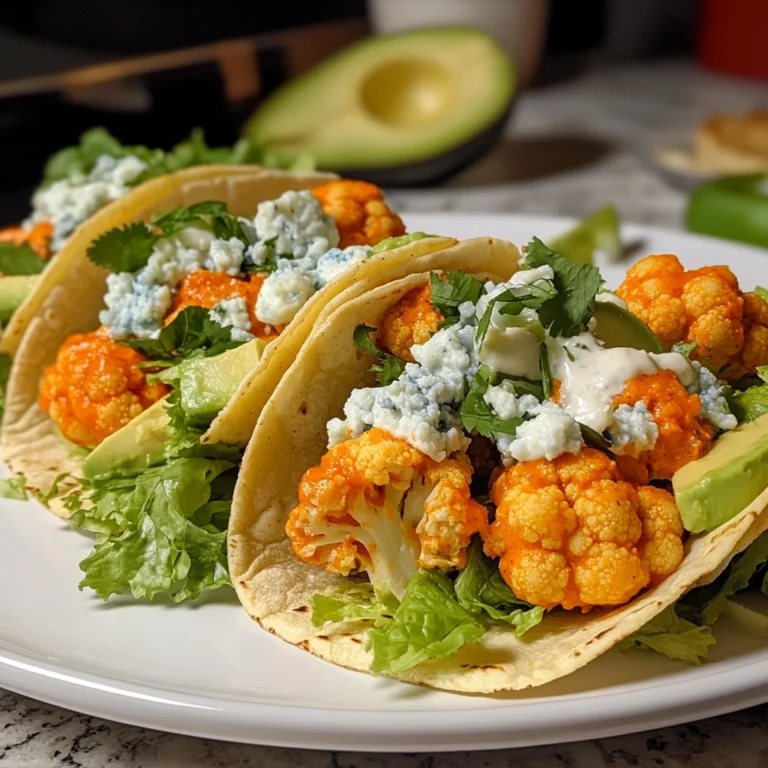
738	476
618	327
435	169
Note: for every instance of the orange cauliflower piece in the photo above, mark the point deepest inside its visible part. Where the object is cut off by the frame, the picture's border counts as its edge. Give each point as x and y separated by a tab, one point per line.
206	289
95	387
683	435
412	320
376	504
361	214
573	532
38	238
703	306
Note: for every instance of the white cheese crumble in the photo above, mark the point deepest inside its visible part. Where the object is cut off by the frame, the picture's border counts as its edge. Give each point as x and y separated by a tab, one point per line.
633	429
506	404
233	313
336	261
421	406
134	308
549	434
282	295
292	226
714	406
225	256
69	202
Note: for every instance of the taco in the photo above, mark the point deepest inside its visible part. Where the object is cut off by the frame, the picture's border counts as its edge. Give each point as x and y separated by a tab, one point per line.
77	182
487	484
200	294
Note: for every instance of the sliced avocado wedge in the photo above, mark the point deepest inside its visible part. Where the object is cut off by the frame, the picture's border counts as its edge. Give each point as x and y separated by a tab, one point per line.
618	327
712	490
130	450
13	290
417	104
206	385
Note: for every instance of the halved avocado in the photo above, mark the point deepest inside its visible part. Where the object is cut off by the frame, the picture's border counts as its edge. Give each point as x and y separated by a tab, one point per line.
398	109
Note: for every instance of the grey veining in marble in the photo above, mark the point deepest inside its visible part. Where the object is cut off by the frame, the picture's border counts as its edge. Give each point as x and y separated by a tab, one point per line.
594	134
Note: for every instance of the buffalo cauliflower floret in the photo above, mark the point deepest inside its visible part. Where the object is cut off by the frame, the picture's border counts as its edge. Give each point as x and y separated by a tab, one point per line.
703	306
360	212
96	387
683	433
412	320
378	505
573	532
38	237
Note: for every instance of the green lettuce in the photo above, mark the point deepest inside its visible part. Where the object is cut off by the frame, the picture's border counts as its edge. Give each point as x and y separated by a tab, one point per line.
672	636
428	625
13	488
436	616
481	589
161	532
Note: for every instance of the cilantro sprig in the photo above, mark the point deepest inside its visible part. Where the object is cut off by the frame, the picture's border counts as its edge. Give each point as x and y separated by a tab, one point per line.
447	295
191	333
512	302
128	248
477	417
387	367
568	311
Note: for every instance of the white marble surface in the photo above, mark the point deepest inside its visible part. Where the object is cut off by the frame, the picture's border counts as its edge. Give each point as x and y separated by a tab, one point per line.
613	117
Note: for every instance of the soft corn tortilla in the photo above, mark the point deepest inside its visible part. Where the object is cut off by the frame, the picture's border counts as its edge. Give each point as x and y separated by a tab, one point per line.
71	294
276	588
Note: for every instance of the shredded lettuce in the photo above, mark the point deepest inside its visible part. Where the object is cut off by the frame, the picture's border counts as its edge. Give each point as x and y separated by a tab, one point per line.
13	488
672	636
161	532
436	616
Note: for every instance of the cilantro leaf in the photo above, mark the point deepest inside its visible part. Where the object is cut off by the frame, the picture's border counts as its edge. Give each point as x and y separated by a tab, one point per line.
481	589
577	285
211	214
685	349
388	368
190	333
456	289
477	416
123	250
19	260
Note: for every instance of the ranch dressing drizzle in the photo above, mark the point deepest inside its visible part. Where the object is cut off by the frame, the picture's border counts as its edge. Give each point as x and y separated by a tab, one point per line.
591	376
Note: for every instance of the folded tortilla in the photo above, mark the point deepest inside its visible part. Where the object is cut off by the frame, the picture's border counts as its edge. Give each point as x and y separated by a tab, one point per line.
276	588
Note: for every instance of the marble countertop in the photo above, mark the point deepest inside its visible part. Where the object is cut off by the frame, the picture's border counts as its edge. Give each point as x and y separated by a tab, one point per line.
571	147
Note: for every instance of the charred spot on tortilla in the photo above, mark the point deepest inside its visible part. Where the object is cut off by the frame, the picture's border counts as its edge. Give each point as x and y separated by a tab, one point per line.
300	609
322	637
356	640
303	409
303	644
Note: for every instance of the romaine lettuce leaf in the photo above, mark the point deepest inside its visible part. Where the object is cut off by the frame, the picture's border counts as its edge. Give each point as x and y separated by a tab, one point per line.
162	532
357	602
428	625
481	589
673	637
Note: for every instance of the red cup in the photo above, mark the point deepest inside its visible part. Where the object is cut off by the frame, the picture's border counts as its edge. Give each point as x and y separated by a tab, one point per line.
733	37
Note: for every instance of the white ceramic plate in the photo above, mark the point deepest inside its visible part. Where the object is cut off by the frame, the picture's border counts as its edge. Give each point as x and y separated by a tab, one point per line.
208	670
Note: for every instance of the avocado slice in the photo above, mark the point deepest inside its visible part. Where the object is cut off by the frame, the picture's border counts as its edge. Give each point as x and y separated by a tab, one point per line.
618	327
13	290
206	385
404	108
712	490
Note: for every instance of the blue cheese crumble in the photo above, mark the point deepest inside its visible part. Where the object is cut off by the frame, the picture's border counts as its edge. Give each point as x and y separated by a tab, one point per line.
714	406
633	429
134	308
282	295
293	226
69	202
336	261
233	313
421	407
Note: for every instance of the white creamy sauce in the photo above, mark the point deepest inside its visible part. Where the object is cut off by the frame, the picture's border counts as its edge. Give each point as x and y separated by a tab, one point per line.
513	351
592	376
